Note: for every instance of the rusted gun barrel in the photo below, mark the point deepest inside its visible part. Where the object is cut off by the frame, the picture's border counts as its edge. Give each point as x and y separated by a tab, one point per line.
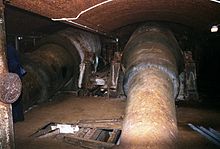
151	60
55	63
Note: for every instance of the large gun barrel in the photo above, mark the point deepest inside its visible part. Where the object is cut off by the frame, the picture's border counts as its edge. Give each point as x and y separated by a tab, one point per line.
151	60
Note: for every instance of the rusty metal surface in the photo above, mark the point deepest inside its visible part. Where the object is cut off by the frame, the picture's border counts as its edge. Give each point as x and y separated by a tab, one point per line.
88	47
152	46
21	22
10	87
3	61
150	119
85	43
55	64
115	70
48	69
6	124
112	14
188	79
151	85
155	35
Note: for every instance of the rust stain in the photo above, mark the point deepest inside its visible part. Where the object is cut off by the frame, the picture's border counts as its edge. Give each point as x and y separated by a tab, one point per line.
151	85
10	87
6	124
150	119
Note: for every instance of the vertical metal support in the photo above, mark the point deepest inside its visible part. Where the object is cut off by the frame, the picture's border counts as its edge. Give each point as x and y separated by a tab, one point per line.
6	123
16	43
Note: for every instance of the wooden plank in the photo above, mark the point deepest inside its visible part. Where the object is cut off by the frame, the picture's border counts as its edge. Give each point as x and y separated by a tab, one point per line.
85	130
50	134
43	130
114	136
81	132
87	143
101	123
90	133
95	134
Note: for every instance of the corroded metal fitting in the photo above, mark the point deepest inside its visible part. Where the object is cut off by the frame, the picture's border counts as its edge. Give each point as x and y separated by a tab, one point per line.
10	87
141	67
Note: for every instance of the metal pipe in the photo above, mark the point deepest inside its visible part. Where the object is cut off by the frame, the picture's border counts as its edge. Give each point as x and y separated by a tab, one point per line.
151	57
216	133
205	134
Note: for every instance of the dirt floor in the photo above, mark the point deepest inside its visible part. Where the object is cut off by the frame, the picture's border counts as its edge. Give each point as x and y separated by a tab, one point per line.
69	109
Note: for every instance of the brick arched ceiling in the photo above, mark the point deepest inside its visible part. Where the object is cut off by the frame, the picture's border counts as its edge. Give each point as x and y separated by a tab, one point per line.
106	16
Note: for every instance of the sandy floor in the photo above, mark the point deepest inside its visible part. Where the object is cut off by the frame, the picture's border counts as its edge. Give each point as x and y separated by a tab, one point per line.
68	109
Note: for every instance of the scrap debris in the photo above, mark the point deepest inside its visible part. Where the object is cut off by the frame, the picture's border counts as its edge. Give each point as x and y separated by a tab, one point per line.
211	134
91	134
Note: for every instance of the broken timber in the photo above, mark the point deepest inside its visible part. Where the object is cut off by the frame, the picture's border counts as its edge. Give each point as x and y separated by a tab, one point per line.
93	134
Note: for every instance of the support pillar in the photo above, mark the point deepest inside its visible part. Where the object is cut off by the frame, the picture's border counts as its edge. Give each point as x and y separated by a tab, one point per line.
10	89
